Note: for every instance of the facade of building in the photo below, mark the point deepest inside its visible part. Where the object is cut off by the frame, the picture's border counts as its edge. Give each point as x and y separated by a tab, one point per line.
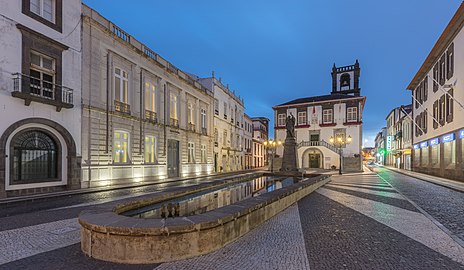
438	96
398	139
320	118
260	135
248	142
229	126
380	146
142	119
40	93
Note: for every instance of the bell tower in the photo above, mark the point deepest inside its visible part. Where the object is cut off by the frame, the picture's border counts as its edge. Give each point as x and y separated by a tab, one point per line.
345	80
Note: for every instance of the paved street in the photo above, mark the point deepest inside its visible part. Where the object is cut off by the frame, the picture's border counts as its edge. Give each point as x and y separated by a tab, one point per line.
359	221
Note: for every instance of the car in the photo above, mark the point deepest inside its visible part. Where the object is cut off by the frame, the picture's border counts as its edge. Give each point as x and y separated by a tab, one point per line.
370	163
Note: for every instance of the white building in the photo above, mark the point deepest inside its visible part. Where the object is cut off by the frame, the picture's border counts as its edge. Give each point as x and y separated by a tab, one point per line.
380	149
143	119
320	118
248	142
399	137
438	98
228	126
40	93
260	135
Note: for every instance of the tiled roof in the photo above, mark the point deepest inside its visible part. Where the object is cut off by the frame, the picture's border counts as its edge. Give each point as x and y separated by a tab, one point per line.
318	99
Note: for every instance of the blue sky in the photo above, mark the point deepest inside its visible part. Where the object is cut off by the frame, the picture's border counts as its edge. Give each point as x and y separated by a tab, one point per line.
273	51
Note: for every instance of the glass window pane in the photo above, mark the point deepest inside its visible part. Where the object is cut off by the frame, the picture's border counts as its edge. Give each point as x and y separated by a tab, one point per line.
126	94
35	6
35	59
117	89
47	63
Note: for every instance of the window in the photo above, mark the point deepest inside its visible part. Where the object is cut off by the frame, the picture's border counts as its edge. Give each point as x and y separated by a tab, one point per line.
449	153
435	159
203	153
224	139
191	114
345	81
449	106
301	118
121	85
121	147
424	156
327	116
203	119
281	119
42	73
216	135
35	158
352	114
225	110
442	70
43	8
417	157
150	97
173	107
150	149
450	61
191	152
216	106
435	78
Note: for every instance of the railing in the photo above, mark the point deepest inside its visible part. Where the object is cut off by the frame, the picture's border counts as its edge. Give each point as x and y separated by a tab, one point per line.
204	131
120	33
216	112
319	143
174	122
216	144
191	127
225	116
40	88
151	116
121	107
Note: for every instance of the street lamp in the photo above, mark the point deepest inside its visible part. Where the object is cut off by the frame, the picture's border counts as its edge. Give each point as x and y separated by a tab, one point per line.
271	144
339	142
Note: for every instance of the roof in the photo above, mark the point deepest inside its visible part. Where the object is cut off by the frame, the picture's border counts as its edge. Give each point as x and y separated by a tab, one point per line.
451	30
319	99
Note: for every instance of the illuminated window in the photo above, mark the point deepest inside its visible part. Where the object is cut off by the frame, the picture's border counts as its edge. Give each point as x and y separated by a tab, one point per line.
121	85
352	114
150	97
150	149
121	147
43	8
203	153
449	153
173	107
191	152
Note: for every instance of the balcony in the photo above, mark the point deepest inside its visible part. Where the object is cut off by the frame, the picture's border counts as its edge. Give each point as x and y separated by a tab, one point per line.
174	123
216	112
216	144
191	127
151	116
204	131
121	107
33	89
225	116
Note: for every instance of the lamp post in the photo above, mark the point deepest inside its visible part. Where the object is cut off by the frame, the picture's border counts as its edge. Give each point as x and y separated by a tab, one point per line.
338	142
271	144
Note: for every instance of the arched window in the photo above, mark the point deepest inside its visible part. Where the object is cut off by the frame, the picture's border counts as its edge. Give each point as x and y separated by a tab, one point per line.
35	158
345	81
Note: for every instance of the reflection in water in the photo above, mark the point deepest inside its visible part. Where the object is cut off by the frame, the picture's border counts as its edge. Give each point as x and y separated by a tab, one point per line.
205	201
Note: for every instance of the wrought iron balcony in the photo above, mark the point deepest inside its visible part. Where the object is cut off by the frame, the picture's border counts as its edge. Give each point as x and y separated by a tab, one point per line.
121	107
151	116
174	122
34	89
191	127
204	131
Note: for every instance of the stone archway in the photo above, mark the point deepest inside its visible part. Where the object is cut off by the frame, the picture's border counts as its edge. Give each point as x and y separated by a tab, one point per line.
71	164
312	158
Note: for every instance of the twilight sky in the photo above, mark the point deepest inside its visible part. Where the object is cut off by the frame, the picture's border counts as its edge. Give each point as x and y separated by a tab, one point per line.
273	51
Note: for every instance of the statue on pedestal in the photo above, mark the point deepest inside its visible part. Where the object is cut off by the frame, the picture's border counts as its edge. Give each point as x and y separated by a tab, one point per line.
289	157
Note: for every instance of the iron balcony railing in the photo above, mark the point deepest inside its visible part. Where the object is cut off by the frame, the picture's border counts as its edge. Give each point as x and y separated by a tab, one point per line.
151	116
204	131
174	122
46	90
121	107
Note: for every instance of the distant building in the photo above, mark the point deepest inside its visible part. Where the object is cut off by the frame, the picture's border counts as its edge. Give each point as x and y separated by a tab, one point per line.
438	98
260	135
398	138
40	97
248	142
380	146
320	118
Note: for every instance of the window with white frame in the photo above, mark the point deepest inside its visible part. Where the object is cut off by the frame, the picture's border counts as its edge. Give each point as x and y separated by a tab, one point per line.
281	119
203	118
173	106
352	114
121	147
216	135
216	106
224	139
43	8
203	153
301	118
42	74
121	85
150	97
191	152
225	109
191	114
150	149
327	116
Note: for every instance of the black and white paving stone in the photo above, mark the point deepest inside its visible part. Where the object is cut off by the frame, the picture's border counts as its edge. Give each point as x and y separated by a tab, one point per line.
360	221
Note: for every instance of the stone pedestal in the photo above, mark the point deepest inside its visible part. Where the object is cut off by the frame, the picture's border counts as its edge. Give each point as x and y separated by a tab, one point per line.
289	157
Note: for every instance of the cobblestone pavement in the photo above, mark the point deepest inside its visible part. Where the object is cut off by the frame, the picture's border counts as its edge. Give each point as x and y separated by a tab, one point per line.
354	222
443	204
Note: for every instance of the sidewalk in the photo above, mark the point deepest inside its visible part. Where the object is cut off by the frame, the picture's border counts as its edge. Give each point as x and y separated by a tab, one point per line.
452	184
34	197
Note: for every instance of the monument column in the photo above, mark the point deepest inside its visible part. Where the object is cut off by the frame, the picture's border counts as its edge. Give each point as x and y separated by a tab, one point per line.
289	157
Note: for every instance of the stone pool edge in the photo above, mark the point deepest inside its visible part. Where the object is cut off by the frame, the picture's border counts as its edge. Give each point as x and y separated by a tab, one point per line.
108	236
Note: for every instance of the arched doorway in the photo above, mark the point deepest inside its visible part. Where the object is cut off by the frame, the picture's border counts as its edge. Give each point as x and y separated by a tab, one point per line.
313	158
